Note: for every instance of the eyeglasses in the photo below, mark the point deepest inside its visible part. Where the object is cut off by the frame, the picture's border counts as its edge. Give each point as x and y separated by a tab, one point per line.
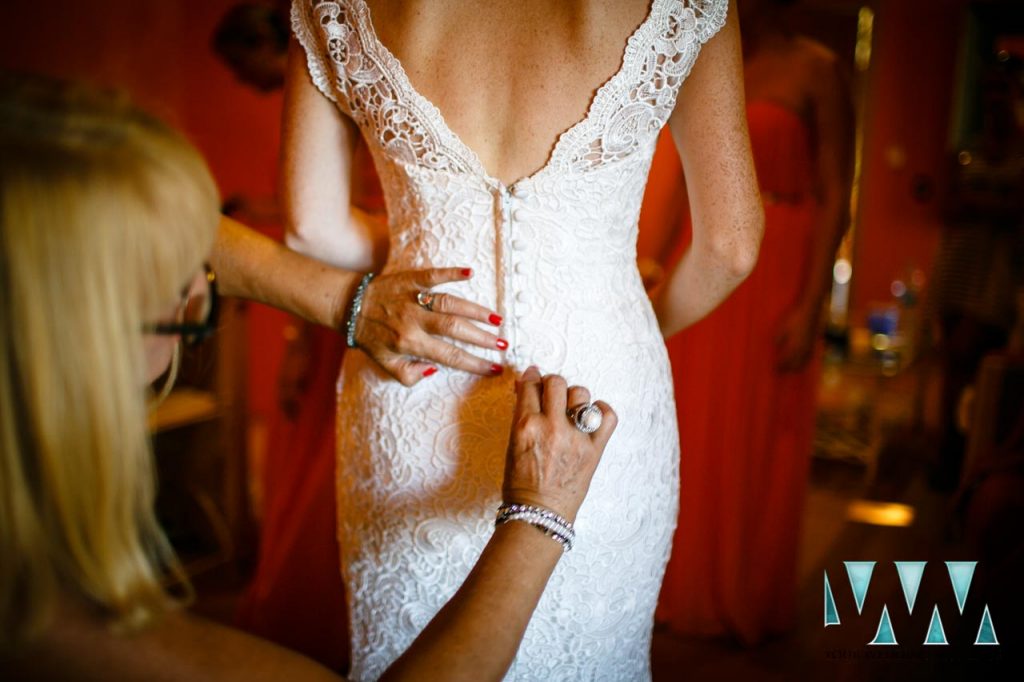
197	314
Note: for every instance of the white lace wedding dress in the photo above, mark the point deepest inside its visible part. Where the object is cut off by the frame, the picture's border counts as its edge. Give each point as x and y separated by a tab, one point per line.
419	470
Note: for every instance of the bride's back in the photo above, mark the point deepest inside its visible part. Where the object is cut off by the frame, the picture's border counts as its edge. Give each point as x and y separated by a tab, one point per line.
509	78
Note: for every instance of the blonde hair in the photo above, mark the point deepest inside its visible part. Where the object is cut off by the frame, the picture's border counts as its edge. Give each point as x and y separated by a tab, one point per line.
105	214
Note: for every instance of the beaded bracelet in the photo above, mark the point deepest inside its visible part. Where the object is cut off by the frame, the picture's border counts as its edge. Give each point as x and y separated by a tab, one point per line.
353	313
553	525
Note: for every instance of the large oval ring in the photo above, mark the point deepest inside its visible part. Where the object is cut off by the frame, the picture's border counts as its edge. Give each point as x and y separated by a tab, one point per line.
586	417
426	299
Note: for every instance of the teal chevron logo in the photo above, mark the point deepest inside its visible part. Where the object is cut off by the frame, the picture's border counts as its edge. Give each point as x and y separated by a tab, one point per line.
936	633
986	633
910	580
884	635
859	573
831	612
960	574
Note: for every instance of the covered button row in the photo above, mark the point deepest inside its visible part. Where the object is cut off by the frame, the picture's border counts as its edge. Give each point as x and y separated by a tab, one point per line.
520	267
519	247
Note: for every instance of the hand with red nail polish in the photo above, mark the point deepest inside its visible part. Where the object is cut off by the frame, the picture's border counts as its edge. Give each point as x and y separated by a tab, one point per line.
550	462
409	340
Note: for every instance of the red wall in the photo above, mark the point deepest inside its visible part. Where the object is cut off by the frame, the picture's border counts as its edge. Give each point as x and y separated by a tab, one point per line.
159	51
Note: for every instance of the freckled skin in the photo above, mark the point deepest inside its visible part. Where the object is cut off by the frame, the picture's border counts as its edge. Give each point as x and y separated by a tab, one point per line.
510	77
532	476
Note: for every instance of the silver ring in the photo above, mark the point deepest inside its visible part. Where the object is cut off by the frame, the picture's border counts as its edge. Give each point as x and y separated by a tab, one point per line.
586	417
426	299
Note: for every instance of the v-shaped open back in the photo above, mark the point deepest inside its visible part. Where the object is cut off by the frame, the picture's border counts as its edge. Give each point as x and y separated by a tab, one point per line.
631	49
350	64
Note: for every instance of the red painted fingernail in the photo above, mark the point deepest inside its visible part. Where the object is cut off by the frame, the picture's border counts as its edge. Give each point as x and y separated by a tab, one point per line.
429	370
467	272
502	344
496	369
494	319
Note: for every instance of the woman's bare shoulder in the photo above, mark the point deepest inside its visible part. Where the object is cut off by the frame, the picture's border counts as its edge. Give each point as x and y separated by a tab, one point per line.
79	644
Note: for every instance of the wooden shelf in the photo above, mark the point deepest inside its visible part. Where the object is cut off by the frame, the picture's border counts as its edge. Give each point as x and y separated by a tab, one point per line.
184	406
199	443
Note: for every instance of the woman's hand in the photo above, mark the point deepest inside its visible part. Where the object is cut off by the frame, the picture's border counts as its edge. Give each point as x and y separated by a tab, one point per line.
405	338
795	338
550	462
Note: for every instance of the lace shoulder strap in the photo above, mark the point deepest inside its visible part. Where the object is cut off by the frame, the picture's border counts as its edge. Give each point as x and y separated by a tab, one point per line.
311	24
630	109
350	66
710	17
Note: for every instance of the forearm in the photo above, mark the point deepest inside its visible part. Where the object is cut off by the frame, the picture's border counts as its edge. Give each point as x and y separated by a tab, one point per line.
477	633
360	245
252	266
697	285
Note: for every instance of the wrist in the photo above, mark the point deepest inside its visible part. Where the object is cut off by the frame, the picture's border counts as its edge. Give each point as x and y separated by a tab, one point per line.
563	508
529	543
352	310
551	524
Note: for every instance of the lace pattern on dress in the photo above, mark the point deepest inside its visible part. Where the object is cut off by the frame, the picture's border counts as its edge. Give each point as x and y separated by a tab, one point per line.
371	86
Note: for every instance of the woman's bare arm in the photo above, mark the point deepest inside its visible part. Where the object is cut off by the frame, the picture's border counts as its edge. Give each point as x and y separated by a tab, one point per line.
252	266
475	635
710	131
317	146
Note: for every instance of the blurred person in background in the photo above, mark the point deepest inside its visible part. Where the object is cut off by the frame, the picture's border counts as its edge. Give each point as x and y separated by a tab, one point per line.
746	375
978	271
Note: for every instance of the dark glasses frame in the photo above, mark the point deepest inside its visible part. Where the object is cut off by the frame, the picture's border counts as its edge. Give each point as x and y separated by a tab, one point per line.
192	333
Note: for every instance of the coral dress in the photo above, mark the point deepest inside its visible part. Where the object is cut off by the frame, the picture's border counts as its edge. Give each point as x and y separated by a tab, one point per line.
420	468
746	430
296	598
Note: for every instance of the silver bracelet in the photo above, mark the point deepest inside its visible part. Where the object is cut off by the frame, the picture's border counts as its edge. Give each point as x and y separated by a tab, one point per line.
552	525
353	313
